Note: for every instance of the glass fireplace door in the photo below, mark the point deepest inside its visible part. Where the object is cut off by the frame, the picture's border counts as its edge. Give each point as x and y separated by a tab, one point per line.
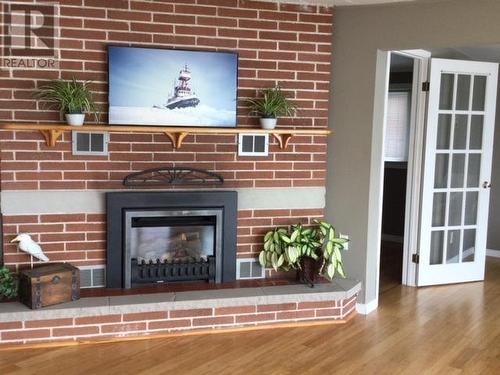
172	237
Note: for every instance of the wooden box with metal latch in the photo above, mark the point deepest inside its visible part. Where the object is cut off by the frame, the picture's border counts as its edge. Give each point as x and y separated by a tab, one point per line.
49	285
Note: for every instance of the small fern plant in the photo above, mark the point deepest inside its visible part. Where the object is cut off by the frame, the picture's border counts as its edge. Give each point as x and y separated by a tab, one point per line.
71	97
272	103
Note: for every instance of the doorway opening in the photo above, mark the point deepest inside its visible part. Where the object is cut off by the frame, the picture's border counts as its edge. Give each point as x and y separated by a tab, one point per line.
436	165
396	150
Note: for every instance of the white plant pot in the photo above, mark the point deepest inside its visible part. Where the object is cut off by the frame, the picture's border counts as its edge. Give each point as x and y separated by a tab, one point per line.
268	123
75	119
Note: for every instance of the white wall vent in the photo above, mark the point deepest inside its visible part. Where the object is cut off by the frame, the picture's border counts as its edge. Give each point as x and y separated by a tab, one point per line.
249	268
92	276
253	144
90	143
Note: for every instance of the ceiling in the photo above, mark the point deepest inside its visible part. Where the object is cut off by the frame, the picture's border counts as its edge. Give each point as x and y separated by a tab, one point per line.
365	2
489	53
340	2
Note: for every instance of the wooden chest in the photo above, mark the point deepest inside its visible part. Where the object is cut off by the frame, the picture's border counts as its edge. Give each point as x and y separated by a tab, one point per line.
49	285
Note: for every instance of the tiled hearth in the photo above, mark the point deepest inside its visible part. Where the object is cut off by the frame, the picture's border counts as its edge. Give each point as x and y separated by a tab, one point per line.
98	318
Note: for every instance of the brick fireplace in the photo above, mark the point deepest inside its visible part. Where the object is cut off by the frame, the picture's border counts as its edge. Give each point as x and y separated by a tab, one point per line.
59	197
62	199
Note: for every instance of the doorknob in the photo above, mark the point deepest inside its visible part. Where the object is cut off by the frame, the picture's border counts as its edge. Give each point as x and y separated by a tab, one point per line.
486	185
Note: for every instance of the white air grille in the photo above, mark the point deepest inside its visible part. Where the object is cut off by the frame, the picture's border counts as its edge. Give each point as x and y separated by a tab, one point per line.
253	145
90	143
249	268
92	276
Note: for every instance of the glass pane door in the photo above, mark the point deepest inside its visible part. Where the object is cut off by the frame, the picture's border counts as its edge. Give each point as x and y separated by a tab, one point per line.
457	168
458	160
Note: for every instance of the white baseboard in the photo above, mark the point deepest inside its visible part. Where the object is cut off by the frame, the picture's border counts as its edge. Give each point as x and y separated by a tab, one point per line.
392	238
493	253
366	308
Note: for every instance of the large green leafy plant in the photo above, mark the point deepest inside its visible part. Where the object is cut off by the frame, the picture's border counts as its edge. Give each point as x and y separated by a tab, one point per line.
284	248
72	97
272	103
8	284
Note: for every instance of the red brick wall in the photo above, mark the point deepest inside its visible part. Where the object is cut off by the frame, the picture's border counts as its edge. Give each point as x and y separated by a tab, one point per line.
281	44
27	163
81	238
161	322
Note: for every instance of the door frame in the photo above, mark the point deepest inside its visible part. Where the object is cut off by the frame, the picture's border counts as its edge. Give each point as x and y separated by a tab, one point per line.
415	157
415	162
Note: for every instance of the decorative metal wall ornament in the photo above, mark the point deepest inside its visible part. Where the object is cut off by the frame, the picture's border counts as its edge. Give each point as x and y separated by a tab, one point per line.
165	176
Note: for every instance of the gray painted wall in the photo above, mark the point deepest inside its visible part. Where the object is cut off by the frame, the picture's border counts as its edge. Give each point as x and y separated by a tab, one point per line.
359	33
494	219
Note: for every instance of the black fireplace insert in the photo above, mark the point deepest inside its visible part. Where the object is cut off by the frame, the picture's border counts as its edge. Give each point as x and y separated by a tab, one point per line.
161	237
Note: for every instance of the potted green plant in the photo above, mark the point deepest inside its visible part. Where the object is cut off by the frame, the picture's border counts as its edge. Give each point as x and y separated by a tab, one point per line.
311	250
272	103
73	98
8	284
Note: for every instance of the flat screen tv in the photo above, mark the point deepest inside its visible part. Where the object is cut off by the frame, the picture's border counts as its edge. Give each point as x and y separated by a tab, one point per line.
152	86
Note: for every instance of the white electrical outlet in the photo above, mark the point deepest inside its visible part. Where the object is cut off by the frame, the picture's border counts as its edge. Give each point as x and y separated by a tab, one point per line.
345	236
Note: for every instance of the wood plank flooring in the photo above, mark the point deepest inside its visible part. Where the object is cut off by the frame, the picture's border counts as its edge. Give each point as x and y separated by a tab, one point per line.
391	265
436	330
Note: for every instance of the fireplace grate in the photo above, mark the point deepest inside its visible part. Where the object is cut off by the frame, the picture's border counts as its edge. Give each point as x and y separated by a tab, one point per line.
157	272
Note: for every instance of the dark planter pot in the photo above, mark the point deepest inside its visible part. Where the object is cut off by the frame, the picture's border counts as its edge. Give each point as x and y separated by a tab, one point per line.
308	272
5	300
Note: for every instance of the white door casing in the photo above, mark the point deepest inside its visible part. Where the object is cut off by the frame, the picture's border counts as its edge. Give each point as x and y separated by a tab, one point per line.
421	60
457	171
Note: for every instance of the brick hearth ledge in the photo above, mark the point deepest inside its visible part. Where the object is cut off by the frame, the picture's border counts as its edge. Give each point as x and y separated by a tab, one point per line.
149	314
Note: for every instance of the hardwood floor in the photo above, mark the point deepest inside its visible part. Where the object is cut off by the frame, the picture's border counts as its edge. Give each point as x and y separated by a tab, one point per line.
435	330
391	265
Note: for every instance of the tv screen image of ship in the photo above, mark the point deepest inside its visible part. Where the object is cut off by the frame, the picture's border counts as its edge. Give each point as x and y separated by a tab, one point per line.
153	86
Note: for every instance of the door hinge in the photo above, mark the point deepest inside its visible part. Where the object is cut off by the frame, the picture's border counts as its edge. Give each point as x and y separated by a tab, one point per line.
426	86
415	258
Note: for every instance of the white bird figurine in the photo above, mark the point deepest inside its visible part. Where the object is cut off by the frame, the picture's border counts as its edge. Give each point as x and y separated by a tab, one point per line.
26	244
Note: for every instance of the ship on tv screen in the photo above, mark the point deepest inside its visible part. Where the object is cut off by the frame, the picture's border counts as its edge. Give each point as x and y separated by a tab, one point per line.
149	86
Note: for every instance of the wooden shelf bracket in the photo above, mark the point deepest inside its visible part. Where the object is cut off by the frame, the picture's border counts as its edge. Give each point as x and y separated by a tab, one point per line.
52	131
51	136
283	139
176	139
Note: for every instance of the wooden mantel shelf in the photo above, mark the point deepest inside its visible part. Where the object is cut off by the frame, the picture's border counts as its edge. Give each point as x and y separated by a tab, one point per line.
52	131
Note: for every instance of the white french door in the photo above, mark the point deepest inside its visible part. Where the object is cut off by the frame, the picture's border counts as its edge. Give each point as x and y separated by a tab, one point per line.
457	171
